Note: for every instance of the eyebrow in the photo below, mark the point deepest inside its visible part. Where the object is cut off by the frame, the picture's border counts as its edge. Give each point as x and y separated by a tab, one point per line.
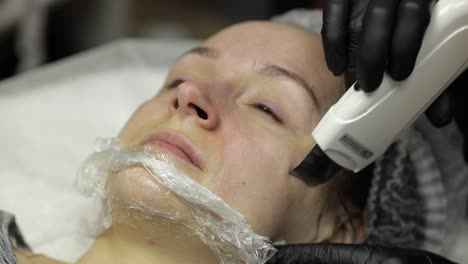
269	70
203	51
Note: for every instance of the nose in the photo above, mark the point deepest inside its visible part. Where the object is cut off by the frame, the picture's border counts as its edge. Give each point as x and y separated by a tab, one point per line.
192	100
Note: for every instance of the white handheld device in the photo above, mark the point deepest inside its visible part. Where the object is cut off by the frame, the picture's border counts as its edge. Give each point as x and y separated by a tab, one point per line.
361	126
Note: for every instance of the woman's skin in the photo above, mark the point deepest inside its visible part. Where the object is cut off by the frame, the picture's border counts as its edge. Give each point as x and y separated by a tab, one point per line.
247	100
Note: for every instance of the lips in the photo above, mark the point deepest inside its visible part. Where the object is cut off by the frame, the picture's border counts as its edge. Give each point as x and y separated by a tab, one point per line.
177	144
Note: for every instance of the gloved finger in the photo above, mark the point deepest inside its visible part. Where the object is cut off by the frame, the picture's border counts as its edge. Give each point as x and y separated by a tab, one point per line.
335	34
322	253
376	36
412	21
441	111
358	9
311	254
354	254
351	71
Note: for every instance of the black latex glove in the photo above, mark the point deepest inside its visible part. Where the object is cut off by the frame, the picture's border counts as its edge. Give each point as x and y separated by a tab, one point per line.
365	38
352	254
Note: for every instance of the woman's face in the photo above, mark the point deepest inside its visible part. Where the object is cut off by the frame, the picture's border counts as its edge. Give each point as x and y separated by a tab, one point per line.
245	102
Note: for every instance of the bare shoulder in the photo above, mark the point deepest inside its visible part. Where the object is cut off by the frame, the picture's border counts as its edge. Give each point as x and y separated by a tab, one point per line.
27	257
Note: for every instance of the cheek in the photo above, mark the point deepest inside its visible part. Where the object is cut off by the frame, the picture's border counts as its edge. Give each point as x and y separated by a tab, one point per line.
254	179
148	115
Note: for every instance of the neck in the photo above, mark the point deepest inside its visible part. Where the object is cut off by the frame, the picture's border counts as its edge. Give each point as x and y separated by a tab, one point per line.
165	243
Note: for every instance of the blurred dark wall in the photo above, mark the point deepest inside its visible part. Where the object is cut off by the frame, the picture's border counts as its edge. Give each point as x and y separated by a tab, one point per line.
8	59
242	10
76	25
283	6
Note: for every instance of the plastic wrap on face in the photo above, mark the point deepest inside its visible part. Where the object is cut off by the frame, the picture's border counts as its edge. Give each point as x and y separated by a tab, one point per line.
91	177
202	213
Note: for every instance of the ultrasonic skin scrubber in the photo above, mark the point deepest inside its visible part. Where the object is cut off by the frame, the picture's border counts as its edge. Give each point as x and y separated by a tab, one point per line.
361	126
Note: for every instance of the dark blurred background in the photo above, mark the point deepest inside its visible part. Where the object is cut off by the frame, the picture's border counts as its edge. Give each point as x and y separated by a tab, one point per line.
34	32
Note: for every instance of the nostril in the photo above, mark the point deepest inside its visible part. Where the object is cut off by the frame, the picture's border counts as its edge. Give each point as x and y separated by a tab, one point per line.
202	114
176	104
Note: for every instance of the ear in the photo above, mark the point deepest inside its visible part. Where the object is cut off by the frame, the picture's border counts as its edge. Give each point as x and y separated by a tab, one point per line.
352	229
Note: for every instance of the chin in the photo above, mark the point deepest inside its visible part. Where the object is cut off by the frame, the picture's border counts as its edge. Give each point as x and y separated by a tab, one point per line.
134	189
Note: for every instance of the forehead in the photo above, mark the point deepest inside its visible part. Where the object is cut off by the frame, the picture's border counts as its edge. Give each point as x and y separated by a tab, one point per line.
267	42
295	49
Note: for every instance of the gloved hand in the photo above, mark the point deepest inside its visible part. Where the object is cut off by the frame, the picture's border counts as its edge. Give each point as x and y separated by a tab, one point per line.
364	38
352	254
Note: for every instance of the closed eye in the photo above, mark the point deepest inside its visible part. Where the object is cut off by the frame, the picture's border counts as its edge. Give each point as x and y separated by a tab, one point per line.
265	109
175	83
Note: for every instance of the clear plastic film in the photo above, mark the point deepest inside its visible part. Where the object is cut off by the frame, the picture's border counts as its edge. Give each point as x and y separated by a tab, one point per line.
196	208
